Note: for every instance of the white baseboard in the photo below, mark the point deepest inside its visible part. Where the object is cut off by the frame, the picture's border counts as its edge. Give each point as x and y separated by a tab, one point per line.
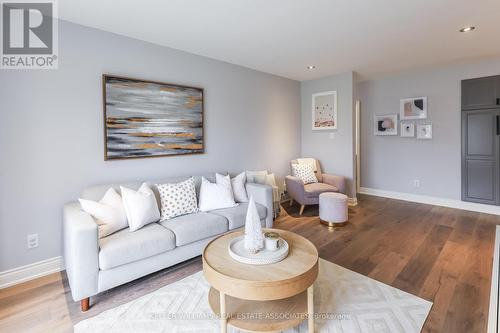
31	271
451	203
493	310
56	264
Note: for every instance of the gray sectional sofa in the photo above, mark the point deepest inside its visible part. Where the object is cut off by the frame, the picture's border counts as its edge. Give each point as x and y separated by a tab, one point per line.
94	265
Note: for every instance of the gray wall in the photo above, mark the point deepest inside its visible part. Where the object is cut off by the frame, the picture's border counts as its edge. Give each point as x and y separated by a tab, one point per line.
51	129
336	155
392	163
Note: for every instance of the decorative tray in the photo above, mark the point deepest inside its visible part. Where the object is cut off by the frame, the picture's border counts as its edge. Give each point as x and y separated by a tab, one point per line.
238	252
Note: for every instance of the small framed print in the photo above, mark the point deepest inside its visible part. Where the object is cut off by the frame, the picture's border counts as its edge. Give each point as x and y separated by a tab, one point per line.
407	130
324	110
424	132
385	124
413	108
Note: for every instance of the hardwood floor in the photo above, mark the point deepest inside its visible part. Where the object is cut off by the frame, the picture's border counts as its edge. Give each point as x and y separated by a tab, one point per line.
443	255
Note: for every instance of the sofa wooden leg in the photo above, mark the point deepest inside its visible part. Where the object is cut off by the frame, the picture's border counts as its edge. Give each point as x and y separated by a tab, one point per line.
85	304
301	209
291	202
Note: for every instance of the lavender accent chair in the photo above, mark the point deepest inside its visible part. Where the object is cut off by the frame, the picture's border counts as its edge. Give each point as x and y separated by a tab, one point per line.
309	194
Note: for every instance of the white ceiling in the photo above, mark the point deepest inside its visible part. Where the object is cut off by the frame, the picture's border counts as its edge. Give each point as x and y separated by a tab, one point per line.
283	37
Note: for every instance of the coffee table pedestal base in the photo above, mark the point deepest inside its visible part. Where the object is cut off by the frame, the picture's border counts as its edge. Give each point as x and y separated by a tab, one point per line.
263	316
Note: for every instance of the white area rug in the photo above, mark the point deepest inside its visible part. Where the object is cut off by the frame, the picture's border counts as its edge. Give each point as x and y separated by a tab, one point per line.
348	301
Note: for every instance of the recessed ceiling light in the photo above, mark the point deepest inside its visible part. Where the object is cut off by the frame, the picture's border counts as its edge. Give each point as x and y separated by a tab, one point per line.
311	67
467	29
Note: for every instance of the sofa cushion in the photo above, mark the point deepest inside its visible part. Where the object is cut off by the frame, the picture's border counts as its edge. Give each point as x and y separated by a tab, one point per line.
177	199
125	246
315	189
193	227
236	215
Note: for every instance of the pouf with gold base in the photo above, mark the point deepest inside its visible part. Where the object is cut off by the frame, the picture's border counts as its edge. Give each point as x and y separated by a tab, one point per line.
333	209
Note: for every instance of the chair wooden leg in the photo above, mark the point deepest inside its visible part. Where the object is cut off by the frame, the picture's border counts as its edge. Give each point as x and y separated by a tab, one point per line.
85	304
291	202
301	209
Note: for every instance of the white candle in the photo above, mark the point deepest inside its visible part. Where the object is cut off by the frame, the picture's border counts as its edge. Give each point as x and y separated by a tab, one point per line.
271	241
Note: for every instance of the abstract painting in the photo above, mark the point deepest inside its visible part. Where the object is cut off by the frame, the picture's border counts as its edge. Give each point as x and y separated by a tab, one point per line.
407	130
386	124
413	108
150	119
324	110
424	131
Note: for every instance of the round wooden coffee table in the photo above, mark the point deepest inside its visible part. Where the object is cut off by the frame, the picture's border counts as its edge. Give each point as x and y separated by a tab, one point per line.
267	298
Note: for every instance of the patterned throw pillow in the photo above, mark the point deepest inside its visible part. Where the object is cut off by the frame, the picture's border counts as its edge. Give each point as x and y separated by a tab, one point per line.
305	172
177	199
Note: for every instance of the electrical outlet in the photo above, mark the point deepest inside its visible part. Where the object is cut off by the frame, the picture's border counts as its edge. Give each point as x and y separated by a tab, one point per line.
32	241
416	183
332	136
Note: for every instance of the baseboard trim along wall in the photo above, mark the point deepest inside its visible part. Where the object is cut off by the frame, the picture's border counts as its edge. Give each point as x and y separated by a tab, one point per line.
451	203
493	310
56	264
53	265
31	271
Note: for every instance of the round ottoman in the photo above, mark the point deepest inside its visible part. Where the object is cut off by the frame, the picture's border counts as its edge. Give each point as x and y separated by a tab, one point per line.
333	209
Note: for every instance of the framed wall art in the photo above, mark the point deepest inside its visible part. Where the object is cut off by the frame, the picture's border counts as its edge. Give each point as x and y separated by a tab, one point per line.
424	131
385	124
407	130
413	108
151	119
324	110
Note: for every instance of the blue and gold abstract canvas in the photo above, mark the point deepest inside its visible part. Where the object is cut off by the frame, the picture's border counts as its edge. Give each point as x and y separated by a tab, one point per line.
148	119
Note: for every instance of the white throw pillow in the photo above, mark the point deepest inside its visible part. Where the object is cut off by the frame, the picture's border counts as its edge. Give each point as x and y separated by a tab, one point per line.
177	199
238	186
140	206
215	196
258	177
224	181
109	213
305	172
